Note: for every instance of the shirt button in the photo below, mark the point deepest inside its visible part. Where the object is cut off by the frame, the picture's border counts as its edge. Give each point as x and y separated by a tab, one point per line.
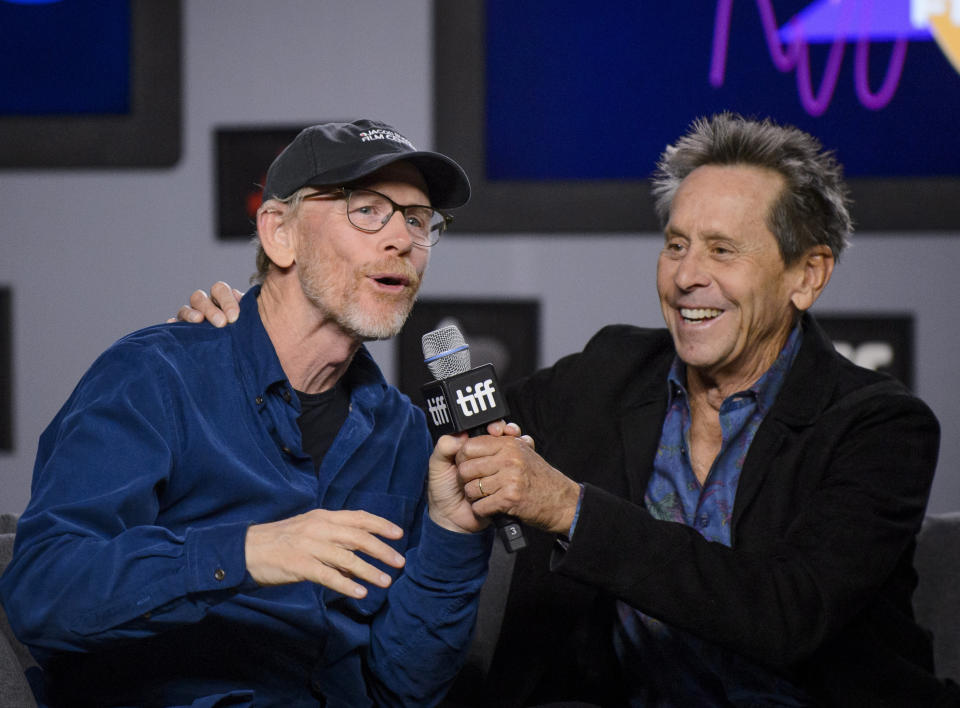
286	450
286	395
259	400
219	574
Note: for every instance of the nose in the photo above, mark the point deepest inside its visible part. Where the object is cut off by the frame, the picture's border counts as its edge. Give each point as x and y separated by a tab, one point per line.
691	271
394	235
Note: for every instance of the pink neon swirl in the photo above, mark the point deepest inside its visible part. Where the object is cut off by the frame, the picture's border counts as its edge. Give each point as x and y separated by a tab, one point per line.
784	61
816	105
721	35
876	101
861	67
797	55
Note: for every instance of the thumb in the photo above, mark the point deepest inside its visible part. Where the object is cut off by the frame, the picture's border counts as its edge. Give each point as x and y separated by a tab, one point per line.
446	449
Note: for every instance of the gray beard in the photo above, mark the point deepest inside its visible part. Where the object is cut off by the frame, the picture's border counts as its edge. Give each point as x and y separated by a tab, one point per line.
351	317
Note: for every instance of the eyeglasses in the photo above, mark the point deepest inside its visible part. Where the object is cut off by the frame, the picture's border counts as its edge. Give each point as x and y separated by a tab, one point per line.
370	211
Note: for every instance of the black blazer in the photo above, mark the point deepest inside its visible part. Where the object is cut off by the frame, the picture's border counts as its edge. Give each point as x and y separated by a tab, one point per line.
818	582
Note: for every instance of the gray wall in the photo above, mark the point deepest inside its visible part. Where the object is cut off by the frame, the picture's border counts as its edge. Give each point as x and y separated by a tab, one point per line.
92	255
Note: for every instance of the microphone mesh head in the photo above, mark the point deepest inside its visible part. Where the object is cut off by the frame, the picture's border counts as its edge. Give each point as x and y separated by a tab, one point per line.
443	344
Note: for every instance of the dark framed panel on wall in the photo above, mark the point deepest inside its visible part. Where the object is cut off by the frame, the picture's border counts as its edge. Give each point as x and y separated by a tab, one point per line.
6	369
242	156
879	341
559	114
505	333
90	84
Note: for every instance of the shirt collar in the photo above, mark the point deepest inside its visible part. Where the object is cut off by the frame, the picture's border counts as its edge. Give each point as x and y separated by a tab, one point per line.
261	369
260	366
765	389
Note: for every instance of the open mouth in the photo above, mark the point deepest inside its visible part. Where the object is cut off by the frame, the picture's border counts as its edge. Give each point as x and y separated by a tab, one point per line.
392	280
699	314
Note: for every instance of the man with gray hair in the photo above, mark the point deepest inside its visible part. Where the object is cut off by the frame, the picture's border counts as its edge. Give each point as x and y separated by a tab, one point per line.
730	506
245	516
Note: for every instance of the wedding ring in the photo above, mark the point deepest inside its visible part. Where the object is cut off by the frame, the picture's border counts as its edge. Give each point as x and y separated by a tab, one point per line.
480	485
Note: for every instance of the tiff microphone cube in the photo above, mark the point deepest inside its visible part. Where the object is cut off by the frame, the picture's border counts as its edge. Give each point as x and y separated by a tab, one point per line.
461	400
464	402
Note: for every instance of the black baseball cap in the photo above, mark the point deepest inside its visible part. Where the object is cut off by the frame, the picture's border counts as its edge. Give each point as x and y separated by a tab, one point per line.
337	153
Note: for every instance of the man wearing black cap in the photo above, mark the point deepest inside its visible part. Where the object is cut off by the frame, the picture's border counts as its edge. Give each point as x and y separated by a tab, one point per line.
245	516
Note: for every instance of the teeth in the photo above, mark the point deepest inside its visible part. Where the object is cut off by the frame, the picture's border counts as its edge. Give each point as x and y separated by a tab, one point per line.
700	313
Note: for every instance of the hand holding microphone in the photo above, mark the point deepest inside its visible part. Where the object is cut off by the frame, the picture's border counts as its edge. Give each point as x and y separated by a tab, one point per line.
498	473
461	399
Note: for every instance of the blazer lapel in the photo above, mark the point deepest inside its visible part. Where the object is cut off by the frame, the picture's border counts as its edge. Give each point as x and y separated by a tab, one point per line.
805	394
641	420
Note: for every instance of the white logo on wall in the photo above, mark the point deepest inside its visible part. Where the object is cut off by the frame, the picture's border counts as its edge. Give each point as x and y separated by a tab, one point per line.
478	397
869	355
876	341
437	407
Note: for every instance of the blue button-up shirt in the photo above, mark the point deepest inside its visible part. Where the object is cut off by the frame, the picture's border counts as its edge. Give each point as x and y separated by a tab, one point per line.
129	580
663	665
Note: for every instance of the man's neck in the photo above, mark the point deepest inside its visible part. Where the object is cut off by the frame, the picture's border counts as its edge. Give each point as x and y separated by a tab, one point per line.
314	351
711	390
712	387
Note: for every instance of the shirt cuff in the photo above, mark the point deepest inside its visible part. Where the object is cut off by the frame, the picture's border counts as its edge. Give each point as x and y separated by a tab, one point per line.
216	557
563	541
446	555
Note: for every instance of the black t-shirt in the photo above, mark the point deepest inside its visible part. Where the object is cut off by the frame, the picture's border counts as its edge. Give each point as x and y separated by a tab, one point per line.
321	416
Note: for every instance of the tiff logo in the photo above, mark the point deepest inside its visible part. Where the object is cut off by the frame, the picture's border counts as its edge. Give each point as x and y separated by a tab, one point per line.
479	397
437	407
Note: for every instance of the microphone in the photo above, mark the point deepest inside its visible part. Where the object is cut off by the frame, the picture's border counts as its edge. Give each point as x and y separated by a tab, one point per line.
461	399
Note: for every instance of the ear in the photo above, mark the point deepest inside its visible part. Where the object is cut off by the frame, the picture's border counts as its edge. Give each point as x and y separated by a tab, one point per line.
276	235
812	273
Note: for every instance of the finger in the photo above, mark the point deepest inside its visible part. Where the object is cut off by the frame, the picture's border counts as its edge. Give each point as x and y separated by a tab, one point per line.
335	578
225	296
374	548
496	428
365	521
447	447
482	487
187	314
337	581
483	446
351	566
197	298
208	308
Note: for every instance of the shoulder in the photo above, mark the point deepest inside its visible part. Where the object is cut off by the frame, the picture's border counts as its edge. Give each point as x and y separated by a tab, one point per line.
865	389
822	381
623	343
618	353
855	386
160	355
618	361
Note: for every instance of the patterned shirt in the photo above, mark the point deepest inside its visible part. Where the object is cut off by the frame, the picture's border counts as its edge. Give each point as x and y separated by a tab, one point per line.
666	666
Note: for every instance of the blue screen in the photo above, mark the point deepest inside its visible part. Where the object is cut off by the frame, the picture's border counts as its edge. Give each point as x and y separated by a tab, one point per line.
596	91
65	57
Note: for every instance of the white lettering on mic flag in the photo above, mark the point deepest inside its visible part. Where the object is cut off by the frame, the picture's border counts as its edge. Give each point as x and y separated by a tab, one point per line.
477	398
437	407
